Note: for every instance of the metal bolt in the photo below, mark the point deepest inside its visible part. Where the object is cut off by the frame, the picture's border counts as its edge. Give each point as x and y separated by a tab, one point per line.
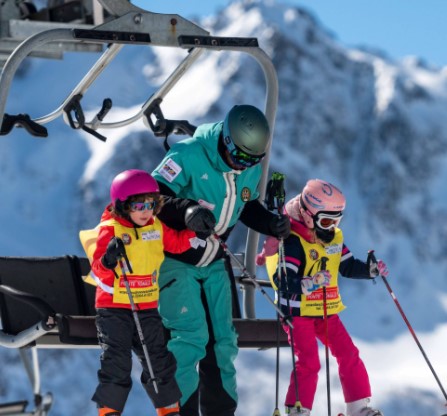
138	18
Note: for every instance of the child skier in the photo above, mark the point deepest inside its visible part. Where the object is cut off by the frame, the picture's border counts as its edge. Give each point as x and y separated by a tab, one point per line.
314	256
129	227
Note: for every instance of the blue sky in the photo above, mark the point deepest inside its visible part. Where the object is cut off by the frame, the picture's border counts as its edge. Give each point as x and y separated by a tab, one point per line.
398	27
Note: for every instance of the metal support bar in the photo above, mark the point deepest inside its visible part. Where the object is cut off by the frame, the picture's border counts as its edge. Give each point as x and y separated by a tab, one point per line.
99	66
20	53
25	337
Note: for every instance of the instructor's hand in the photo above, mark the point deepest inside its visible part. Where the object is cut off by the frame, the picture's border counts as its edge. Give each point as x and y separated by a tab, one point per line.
280	226
201	220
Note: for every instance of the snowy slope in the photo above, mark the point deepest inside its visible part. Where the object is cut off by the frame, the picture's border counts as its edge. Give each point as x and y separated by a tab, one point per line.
372	125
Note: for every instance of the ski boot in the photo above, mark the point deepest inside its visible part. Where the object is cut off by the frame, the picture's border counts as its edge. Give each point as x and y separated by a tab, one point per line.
107	411
361	408
295	411
171	410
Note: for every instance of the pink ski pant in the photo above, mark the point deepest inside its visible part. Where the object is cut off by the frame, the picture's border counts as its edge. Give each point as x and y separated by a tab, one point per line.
351	370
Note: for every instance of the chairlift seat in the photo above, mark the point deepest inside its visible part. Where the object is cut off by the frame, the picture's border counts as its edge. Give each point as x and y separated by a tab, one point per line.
59	282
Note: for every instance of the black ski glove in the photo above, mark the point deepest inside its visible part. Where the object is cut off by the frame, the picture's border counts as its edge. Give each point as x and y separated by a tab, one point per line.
201	220
280	226
115	250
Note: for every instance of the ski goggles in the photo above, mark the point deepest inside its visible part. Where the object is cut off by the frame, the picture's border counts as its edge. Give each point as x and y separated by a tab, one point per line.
141	206
326	221
238	156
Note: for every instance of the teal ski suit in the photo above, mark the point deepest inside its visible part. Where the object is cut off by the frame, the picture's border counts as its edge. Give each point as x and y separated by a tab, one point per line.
194	172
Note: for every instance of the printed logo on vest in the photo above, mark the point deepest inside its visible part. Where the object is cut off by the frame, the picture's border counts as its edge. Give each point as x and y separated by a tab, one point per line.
170	170
150	235
313	254
127	239
245	194
333	249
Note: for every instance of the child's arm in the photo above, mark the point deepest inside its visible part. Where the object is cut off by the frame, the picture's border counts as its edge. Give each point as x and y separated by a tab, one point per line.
106	233
175	241
358	269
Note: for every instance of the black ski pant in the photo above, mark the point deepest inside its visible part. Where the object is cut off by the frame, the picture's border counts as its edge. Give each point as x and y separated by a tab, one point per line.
118	337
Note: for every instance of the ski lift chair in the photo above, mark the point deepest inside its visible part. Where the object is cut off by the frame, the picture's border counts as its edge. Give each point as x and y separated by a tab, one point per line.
37	295
44	302
131	25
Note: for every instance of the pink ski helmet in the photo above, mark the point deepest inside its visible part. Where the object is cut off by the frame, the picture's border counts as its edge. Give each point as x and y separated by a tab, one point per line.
293	208
132	182
318	196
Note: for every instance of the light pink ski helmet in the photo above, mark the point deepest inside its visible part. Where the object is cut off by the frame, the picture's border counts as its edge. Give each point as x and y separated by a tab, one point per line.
293	208
132	182
318	196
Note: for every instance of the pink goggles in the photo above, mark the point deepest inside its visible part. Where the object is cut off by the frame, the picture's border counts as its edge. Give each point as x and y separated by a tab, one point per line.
141	206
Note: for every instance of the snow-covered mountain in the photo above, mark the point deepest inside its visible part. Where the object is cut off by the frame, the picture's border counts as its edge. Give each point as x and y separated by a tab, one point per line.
372	125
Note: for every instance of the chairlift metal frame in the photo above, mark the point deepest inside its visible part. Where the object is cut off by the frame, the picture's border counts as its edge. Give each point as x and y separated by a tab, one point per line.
131	25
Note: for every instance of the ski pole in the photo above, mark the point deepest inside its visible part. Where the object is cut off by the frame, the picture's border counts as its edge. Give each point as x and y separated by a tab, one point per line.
326	340
245	273
135	315
277	412
372	258
276	192
283	278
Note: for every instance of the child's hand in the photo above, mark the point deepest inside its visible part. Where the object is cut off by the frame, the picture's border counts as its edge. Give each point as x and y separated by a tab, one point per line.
260	259
383	270
115	250
378	269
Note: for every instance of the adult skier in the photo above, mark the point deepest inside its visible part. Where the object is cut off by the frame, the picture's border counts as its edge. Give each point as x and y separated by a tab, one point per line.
212	180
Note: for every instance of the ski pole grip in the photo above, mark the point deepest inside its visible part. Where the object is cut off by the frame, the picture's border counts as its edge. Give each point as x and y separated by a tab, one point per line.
371	260
371	257
126	259
323	263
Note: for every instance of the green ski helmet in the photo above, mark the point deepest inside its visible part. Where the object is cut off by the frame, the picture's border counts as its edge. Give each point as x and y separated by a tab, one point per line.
246	135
